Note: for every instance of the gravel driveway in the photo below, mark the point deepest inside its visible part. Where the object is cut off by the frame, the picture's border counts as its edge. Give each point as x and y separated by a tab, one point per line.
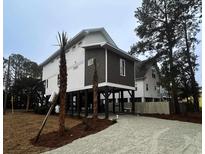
137	134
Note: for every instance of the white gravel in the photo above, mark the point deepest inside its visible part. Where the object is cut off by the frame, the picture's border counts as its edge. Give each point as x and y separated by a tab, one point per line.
136	134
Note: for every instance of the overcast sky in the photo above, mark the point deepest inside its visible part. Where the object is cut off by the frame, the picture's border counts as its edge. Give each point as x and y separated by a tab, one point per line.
31	26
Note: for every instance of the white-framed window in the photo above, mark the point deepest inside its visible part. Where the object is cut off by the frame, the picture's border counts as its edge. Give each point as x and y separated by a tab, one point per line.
122	67
153	73
147	88
58	80
46	83
136	86
90	61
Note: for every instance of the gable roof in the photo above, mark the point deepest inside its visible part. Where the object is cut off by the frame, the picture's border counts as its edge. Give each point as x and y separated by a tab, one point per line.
77	38
111	48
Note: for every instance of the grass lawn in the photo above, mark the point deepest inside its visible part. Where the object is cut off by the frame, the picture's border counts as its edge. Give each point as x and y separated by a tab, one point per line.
20	127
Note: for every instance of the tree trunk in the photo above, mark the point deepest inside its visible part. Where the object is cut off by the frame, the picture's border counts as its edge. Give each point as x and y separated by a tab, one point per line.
171	64
5	102
95	92
173	84
193	81
28	103
78	103
7	86
12	104
63	82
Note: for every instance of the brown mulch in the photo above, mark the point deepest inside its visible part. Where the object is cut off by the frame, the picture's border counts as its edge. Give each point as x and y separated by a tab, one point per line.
87	127
186	117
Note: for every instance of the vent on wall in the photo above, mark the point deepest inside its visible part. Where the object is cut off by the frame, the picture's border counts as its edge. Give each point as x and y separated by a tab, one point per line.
90	61
79	43
75	66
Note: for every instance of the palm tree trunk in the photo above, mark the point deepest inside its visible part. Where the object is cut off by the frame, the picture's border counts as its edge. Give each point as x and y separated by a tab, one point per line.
63	82
95	92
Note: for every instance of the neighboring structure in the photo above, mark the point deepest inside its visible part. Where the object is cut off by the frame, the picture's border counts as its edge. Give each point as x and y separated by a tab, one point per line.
147	84
115	71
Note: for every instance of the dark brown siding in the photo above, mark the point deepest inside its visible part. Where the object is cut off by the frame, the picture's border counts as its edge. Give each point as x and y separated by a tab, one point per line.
113	62
99	55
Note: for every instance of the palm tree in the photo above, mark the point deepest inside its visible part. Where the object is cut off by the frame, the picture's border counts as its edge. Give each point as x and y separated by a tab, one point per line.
62	42
95	91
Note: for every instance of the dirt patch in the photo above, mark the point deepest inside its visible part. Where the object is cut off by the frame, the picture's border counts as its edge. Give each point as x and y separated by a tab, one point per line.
87	127
187	117
20	127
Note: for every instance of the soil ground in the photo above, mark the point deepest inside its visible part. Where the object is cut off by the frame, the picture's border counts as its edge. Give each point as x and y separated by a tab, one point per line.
21	127
187	117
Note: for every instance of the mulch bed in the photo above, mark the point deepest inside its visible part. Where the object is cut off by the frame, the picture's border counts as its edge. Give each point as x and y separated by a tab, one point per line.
87	127
186	117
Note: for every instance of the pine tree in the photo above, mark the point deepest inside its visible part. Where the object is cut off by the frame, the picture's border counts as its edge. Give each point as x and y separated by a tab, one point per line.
156	30
167	28
188	26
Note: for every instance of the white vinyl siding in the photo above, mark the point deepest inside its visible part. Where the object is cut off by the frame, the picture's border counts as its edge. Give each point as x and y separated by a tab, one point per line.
122	67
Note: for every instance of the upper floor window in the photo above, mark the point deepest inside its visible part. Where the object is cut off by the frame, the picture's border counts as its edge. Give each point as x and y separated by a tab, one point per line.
46	83
122	67
147	88
153	73
135	86
58	80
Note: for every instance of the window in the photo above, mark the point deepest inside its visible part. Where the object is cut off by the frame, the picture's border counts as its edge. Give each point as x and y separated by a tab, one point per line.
90	61
47	83
155	87
147	87
122	67
135	86
153	73
58	79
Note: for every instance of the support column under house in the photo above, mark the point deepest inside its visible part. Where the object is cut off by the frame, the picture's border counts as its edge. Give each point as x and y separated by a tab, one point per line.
86	103
113	100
